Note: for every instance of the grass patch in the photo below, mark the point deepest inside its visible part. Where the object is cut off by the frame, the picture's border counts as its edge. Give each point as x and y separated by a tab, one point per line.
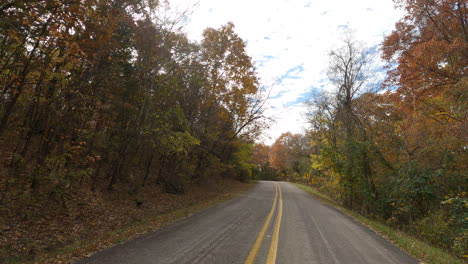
82	248
420	250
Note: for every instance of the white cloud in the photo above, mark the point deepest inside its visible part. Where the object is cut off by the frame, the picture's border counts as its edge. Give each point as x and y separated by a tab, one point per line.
282	34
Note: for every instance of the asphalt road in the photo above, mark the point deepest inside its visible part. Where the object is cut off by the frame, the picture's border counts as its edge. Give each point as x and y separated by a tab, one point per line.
271	223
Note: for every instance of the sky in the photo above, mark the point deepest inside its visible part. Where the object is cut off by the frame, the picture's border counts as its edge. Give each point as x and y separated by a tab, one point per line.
289	42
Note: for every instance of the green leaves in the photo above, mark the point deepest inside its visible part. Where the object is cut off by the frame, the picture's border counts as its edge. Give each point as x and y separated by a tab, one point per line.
179	142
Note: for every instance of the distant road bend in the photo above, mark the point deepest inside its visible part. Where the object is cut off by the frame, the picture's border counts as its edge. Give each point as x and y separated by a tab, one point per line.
274	222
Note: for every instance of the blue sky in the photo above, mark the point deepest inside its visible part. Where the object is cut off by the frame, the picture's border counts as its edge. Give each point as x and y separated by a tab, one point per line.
289	40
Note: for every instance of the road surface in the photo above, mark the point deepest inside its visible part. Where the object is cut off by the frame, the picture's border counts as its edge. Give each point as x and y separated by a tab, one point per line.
274	222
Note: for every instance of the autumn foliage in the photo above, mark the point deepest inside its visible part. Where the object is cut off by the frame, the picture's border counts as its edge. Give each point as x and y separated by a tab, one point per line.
396	152
103	96
401	154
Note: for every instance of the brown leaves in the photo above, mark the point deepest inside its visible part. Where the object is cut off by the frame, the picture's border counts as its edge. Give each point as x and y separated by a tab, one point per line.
96	221
430	45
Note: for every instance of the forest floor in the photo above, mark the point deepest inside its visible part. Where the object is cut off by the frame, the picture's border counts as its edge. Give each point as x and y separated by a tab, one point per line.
94	221
428	254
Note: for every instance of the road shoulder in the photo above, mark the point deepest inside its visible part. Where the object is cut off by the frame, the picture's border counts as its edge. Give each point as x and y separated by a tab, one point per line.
83	248
412	246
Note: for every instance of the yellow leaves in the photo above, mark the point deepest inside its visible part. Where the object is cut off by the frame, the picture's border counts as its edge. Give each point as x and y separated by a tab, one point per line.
232	73
316	161
312	181
180	142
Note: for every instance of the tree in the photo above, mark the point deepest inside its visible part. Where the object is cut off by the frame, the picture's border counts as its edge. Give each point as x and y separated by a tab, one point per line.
231	107
400	154
261	154
289	155
104	95
350	71
429	47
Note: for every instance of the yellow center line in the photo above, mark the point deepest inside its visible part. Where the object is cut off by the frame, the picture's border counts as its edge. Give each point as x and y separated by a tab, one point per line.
271	259
258	242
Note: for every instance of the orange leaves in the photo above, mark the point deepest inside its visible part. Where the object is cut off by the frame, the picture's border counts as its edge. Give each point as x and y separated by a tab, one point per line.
231	80
287	150
430	45
279	152
261	154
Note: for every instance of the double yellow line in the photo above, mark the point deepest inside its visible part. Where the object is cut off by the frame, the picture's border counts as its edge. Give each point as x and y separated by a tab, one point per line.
271	258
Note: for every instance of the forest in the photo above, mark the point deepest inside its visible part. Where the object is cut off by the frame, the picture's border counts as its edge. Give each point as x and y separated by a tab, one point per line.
105	101
395	151
104	96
